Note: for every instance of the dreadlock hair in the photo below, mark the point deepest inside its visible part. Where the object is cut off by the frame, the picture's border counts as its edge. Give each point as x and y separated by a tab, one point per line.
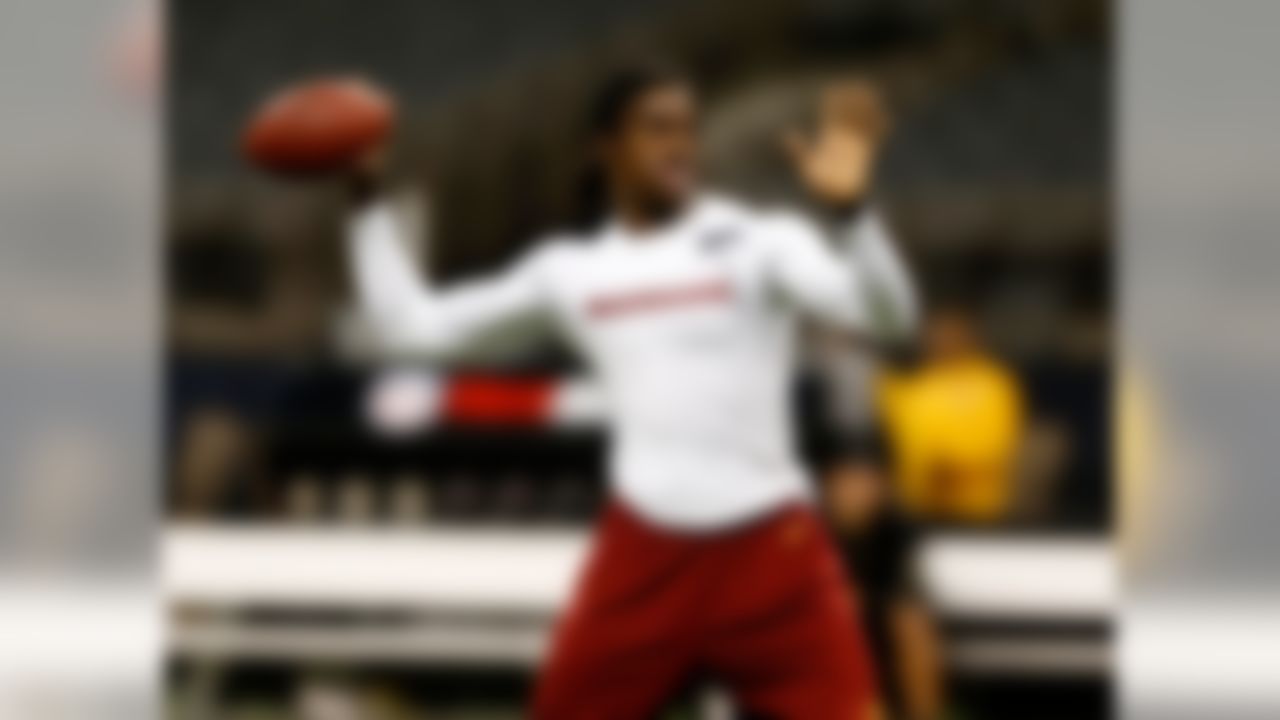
612	100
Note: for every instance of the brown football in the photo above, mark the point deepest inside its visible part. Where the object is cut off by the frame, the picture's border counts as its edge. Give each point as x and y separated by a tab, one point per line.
318	126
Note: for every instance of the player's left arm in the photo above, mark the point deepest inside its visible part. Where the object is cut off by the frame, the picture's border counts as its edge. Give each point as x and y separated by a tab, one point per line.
867	249
835	163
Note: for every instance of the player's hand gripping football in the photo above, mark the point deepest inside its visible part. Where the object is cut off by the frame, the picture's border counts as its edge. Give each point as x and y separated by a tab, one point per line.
836	158
366	176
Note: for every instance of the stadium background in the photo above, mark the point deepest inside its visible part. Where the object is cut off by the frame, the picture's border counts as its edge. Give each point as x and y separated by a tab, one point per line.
997	180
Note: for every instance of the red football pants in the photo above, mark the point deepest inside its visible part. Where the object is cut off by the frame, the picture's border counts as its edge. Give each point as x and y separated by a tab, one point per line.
764	609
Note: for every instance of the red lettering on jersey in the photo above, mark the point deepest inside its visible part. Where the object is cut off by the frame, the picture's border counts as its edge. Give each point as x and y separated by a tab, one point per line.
612	306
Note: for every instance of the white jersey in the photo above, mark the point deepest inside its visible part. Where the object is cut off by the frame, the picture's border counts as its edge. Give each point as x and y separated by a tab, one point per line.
689	328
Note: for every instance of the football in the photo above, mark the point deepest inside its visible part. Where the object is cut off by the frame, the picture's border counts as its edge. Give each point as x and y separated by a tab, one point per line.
319	126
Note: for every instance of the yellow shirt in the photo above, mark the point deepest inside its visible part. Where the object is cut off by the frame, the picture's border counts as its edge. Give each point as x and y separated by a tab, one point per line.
955	429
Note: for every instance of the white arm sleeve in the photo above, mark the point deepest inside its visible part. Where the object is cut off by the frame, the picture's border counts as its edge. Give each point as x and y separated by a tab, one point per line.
860	284
407	316
889	289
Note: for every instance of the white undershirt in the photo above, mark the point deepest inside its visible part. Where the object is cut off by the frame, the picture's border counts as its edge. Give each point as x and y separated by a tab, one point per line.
690	329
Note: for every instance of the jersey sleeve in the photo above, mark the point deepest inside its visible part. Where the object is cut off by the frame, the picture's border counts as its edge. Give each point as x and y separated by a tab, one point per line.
857	283
808	274
408	316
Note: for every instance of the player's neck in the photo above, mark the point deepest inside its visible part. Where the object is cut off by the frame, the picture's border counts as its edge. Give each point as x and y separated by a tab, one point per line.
643	217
